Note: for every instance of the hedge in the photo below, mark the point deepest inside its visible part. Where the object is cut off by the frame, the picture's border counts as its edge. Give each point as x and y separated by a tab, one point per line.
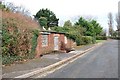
101	38
17	44
83	40
117	38
86	40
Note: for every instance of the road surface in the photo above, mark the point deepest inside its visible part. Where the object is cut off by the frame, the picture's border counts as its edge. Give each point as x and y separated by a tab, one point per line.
102	62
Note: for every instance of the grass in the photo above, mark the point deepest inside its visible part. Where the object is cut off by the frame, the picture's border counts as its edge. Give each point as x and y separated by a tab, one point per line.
98	41
78	47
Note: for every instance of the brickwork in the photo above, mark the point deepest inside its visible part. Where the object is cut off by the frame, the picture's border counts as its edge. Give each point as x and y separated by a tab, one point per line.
50	47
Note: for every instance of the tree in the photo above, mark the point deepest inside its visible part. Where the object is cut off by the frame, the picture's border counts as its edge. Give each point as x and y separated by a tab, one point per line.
67	24
115	33
49	15
74	32
79	30
118	24
91	26
103	33
110	24
81	22
118	18
118	21
97	27
43	21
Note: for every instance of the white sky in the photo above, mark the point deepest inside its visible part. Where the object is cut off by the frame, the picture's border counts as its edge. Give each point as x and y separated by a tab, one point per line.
71	9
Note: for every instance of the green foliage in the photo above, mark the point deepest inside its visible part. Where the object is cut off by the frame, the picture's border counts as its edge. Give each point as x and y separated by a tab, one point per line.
78	40
97	28
101	38
111	31
49	15
81	40
34	40
117	38
43	21
83	32
3	7
86	40
71	36
16	43
76	32
103	33
67	24
9	43
92	27
82	22
72	32
9	40
11	59
115	33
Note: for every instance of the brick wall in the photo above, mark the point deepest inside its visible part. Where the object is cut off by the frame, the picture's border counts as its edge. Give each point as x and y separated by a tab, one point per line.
50	47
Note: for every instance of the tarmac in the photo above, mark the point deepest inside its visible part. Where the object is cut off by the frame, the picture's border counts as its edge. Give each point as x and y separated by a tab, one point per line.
37	63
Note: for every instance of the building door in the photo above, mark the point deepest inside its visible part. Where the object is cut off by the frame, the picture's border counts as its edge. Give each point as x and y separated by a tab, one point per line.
56	42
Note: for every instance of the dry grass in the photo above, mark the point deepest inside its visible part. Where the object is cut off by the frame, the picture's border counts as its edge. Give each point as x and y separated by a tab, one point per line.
20	20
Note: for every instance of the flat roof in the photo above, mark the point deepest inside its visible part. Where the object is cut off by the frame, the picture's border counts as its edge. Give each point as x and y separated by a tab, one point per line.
53	32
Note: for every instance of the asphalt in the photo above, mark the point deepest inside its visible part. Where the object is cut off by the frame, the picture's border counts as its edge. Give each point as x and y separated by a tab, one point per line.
99	63
32	65
0	68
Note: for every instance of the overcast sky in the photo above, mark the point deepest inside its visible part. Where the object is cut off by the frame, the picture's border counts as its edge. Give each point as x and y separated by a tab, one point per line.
71	9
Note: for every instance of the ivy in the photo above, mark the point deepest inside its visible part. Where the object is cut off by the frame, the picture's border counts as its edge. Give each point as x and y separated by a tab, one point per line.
34	40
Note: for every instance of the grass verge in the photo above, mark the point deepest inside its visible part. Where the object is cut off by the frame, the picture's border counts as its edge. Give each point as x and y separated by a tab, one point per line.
98	41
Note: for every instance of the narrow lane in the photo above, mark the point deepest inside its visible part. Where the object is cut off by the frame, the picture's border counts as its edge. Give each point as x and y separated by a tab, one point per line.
99	63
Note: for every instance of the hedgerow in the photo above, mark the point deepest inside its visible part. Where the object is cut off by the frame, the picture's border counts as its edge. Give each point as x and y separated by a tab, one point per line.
16	43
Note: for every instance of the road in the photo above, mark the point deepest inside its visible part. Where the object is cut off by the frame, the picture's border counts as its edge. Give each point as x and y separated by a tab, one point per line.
102	62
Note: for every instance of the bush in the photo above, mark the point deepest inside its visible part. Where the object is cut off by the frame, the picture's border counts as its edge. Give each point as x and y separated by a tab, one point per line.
86	40
117	38
78	41
71	36
10	59
34	40
16	43
101	38
81	40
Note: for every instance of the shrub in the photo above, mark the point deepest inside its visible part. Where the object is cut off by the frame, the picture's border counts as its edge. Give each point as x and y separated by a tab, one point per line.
101	38
93	40
71	36
16	43
112	37
78	41
86	40
34	40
